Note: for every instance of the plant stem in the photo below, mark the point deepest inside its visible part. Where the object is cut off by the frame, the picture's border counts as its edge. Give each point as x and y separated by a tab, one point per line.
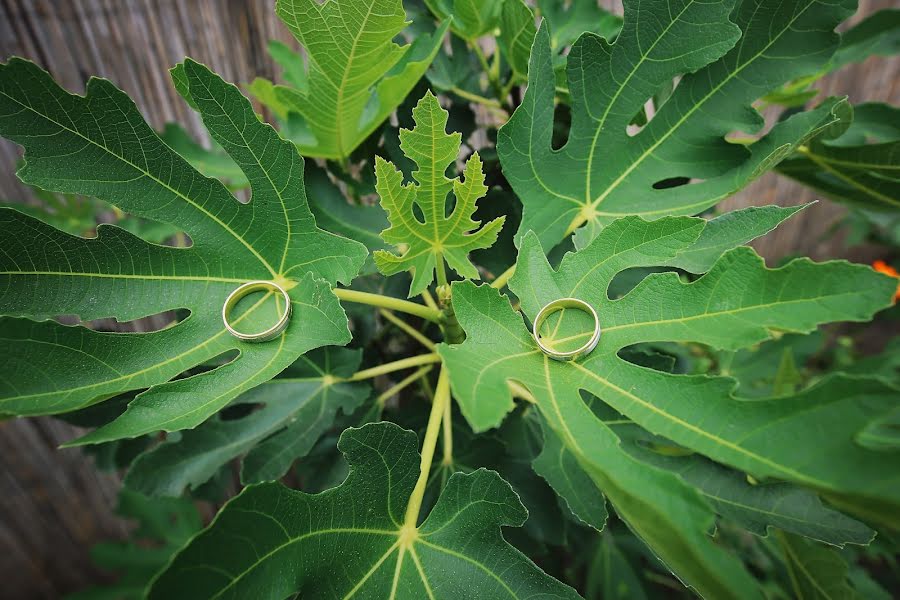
475	98
441	271
447	434
401	385
390	303
492	71
429	300
397	365
504	277
441	397
409	329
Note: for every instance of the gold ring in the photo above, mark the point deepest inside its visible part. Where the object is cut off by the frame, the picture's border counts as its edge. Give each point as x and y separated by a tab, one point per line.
248	288
560	304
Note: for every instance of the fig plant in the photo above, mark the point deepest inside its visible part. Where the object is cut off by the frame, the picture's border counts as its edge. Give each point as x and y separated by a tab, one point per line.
448	452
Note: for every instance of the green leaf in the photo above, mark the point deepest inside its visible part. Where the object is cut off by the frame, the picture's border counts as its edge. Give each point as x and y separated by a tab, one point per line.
736	304
442	234
755	507
602	171
611	572
568	20
876	35
333	213
164	525
356	75
722	233
272	542
296	410
861	167
98	145
756	369
517	31
469	19
212	163
817	572
561	469
882	433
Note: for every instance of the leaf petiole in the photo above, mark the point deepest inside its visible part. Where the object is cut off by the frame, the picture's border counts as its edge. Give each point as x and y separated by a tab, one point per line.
503	278
406	327
397	365
397	304
401	385
441	398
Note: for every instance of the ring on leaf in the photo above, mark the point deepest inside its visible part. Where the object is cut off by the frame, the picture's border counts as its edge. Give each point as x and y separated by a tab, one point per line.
555	306
244	290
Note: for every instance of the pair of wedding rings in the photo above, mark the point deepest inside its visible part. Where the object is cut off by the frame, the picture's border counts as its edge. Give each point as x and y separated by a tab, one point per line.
558	305
243	291
268	286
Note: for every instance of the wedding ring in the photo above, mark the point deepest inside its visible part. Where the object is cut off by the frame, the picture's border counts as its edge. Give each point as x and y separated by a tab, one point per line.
555	306
246	289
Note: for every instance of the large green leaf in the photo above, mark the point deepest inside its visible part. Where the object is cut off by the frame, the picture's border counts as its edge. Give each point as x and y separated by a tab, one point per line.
98	145
439	234
602	171
734	305
297	409
272	542
356	74
756	507
861	167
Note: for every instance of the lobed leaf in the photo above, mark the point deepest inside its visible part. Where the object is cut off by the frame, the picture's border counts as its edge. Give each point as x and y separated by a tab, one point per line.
735	304
296	410
861	167
99	145
603	172
272	542
356	74
442	234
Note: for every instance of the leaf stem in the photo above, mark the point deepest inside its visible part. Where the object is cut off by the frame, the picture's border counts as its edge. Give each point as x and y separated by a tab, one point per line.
441	271
447	435
475	98
397	304
429	300
406	327
441	397
397	365
401	385
503	278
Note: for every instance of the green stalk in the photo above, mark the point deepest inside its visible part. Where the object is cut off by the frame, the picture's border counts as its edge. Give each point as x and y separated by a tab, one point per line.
397	365
441	398
389	303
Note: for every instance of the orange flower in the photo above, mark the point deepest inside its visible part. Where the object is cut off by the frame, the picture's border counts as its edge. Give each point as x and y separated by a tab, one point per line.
883	267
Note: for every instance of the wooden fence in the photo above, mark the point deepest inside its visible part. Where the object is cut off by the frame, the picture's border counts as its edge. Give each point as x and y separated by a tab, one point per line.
53	504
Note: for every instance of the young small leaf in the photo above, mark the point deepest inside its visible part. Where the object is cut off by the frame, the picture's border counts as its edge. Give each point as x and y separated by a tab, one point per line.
441	236
272	542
